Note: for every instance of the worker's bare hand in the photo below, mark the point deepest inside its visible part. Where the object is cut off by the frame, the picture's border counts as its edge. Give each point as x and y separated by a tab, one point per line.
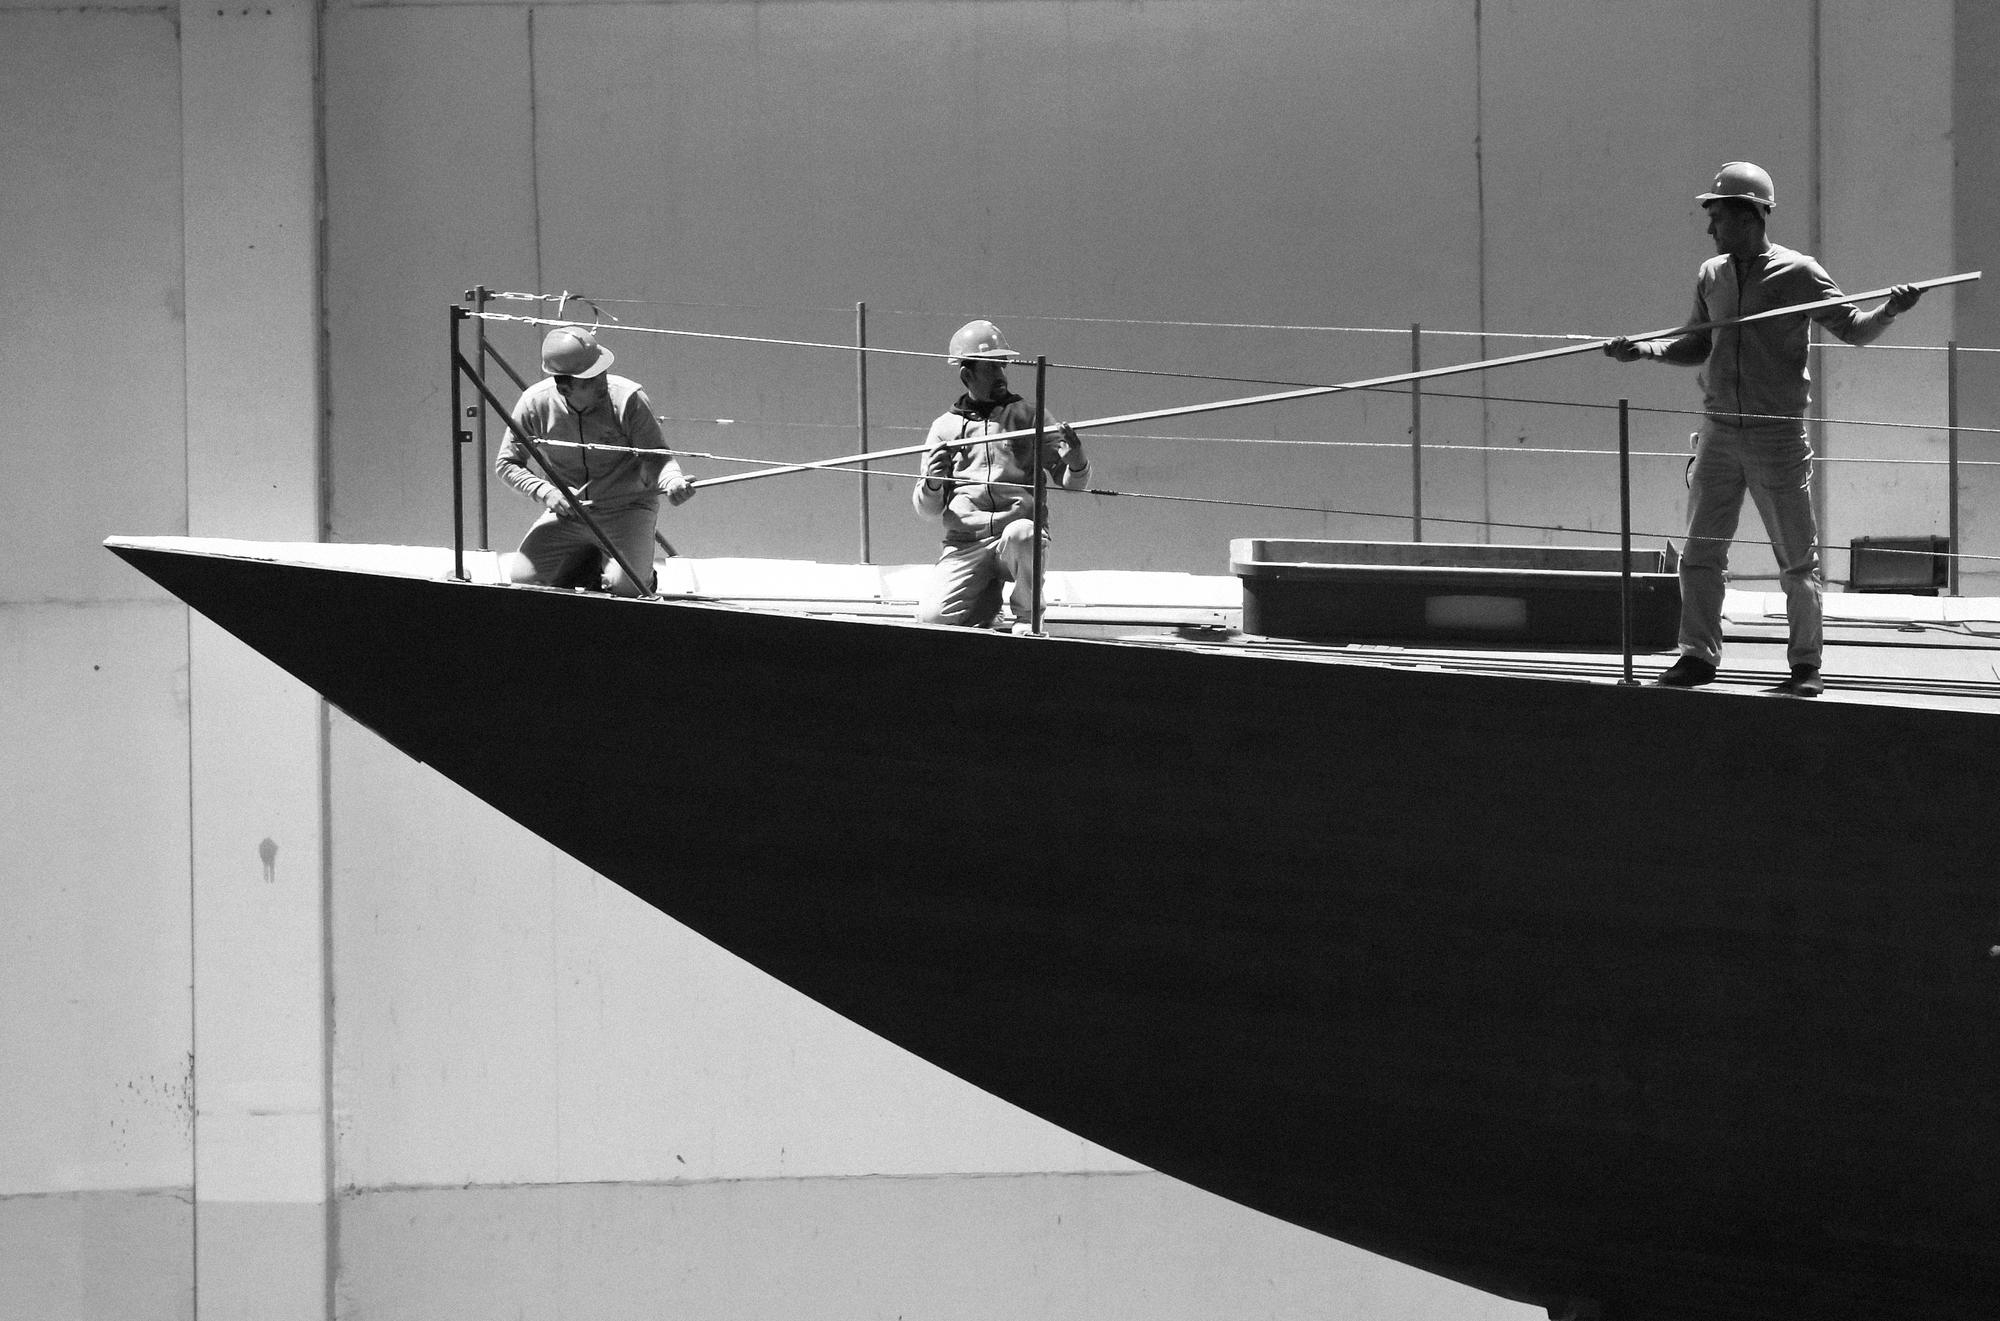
1902	298
1070	447
678	491
1624	350
937	464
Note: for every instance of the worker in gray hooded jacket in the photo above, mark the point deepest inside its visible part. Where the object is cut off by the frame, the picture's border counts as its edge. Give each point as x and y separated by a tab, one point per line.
983	493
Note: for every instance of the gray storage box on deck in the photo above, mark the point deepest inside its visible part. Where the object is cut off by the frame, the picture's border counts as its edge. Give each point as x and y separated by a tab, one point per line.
1446	592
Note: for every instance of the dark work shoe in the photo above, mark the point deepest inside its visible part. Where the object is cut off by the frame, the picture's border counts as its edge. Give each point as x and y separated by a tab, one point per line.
1805	682
1687	672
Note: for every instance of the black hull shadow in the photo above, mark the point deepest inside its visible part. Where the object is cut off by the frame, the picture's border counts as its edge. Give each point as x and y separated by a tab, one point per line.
1678	1004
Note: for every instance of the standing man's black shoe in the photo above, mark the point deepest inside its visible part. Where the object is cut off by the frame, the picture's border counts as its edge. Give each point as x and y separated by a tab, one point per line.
1805	682
1687	672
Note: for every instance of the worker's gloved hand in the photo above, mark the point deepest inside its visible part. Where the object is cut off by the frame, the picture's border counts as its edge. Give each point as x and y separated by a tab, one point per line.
1624	350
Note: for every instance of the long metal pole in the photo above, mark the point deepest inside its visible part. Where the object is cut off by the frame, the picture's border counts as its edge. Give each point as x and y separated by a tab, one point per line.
1372	383
520	381
1416	434
1041	490
861	412
1816	441
1625	534
458	439
1951	462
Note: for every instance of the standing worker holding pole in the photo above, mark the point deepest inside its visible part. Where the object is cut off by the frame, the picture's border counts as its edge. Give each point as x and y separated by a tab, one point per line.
1755	389
982	491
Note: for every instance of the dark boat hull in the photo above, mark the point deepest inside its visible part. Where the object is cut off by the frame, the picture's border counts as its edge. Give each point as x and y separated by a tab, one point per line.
1676	1003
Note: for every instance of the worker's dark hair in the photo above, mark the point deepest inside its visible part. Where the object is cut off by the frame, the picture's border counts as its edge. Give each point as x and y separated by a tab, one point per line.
1743	206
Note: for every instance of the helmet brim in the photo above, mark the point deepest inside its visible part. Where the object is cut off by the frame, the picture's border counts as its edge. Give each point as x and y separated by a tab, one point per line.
1705	198
603	364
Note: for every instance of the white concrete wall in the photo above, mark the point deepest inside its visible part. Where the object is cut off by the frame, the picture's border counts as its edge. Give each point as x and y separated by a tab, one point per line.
96	1163
164	1095
537	1093
1976	182
992	1248
250	190
1601	124
1198	160
1875	163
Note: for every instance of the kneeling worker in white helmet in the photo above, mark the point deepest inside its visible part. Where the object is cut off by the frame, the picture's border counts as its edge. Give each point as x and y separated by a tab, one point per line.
582	403
984	493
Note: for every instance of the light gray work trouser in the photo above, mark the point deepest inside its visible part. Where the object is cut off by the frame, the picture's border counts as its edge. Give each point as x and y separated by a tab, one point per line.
962	589
1775	466
555	548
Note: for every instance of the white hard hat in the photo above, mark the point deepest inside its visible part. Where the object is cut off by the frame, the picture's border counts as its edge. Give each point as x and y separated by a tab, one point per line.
1742	181
979	339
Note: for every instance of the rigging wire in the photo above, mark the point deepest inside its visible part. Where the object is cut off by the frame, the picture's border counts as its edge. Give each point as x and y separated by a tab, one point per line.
565	298
1244	380
1400	447
1397	515
1136	321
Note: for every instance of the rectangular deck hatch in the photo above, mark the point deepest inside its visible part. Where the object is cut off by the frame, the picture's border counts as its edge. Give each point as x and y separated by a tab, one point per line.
1393	591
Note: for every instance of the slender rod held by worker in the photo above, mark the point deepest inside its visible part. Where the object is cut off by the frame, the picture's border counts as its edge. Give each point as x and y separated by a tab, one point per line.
1372	383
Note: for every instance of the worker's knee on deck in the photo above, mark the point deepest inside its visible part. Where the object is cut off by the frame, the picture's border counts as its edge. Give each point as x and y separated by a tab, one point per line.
1014	548
953	613
959	602
619	584
1016	539
517	568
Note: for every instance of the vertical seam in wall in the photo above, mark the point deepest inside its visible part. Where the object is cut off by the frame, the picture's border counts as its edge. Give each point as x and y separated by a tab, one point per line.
329	1132
323	349
194	1016
187	652
1479	193
534	158
323	518
555	881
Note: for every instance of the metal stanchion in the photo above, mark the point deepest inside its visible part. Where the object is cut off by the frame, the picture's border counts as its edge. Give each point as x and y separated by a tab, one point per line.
480	296
1416	434
1625	535
459	439
1041	489
861	413
1951	462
